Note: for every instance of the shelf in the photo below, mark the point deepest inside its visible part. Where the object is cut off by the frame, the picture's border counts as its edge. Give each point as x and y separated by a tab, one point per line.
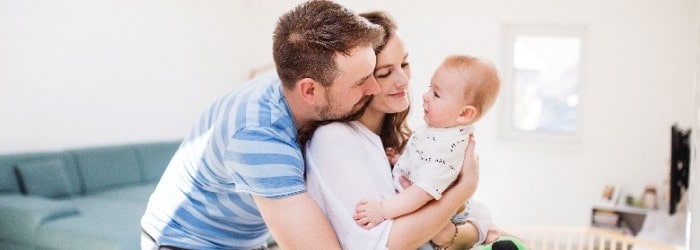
622	217
623	209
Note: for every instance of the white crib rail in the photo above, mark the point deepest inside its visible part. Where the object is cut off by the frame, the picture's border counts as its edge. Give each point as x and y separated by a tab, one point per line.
572	238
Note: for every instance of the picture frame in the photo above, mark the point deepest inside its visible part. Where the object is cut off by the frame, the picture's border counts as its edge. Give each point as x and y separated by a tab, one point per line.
610	194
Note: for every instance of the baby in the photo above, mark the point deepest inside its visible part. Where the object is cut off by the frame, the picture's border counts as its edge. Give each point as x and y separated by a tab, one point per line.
461	91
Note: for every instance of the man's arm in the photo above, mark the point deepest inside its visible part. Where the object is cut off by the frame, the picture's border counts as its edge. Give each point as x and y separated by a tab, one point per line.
296	222
425	223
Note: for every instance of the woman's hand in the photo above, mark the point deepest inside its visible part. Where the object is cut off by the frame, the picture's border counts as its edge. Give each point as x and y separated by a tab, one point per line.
495	233
405	183
424	224
470	166
392	155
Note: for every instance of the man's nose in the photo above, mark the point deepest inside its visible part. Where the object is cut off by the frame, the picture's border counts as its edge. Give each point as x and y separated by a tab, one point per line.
372	87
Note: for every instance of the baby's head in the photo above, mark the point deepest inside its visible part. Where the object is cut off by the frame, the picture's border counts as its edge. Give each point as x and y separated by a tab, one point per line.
461	91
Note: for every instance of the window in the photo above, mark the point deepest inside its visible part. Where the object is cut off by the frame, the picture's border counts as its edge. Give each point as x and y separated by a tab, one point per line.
542	83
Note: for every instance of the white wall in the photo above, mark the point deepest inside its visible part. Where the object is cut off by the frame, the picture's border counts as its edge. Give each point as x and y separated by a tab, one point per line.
694	186
78	73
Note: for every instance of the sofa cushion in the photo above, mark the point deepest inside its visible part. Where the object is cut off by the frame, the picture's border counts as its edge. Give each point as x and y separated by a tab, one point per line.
107	167
21	215
154	158
132	193
104	224
9	180
45	177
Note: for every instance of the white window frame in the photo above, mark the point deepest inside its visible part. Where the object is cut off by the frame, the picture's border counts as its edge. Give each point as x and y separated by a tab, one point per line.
510	33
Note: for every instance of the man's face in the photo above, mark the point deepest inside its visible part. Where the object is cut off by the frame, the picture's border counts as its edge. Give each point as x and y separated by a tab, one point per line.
353	87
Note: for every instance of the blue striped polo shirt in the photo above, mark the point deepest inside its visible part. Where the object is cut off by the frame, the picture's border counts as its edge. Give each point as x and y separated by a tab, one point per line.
245	144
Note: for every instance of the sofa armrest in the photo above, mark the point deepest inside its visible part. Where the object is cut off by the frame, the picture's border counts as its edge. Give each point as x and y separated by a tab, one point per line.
21	216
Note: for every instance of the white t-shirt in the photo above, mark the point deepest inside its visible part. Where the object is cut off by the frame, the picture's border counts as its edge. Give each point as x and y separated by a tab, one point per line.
433	158
345	162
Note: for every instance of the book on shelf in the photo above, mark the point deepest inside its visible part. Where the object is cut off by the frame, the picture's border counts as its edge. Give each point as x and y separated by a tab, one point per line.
606	218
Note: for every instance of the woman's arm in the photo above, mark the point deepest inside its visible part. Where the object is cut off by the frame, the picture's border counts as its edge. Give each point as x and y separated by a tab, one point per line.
467	236
425	223
473	232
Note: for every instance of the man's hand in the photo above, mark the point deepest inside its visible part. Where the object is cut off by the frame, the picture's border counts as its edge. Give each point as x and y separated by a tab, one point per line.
368	214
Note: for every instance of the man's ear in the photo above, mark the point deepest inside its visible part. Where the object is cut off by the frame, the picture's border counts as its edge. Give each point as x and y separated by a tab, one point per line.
308	90
468	115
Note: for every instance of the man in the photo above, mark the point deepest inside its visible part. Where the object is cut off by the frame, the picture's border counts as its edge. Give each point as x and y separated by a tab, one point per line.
239	175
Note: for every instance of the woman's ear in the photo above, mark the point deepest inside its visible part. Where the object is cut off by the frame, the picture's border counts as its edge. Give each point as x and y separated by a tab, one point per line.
308	90
468	115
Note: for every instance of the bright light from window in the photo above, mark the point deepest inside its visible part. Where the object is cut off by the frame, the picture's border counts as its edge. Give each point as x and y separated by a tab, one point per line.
545	83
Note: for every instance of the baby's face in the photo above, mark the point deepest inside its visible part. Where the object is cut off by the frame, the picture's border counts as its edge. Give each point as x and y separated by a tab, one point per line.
444	101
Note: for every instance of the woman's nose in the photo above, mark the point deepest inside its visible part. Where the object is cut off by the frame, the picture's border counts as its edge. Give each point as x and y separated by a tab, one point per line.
401	79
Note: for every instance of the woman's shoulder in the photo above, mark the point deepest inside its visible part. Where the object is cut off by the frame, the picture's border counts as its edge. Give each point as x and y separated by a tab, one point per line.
334	129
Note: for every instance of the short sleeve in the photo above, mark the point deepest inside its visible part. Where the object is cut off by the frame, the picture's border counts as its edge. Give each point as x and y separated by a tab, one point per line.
265	162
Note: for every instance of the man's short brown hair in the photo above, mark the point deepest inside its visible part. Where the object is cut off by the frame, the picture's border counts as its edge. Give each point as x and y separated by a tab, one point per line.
308	37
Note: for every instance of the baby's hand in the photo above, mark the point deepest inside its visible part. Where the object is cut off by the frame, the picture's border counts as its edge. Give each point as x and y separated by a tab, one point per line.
368	214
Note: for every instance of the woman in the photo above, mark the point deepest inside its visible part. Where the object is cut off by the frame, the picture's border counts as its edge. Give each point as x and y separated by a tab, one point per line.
346	162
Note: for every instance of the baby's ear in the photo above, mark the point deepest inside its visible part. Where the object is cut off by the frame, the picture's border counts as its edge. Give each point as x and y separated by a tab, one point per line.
468	115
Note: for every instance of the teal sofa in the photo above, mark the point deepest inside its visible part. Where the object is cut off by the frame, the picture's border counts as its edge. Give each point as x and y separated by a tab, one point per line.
85	198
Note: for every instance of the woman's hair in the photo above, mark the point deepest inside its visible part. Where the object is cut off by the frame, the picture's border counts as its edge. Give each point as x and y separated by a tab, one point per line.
387	23
395	131
307	39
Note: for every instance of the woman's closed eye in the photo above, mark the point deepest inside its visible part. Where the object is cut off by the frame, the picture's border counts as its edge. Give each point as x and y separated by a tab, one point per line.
382	74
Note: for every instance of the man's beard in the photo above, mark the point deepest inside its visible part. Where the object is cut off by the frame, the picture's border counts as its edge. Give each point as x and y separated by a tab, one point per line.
326	116
329	112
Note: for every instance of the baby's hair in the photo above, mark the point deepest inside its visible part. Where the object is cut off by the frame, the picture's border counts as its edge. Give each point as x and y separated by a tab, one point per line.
480	78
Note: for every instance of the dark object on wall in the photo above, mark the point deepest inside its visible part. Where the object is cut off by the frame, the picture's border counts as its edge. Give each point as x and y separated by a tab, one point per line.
680	165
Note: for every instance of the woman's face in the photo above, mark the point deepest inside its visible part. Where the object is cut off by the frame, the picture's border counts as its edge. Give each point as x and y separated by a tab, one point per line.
393	74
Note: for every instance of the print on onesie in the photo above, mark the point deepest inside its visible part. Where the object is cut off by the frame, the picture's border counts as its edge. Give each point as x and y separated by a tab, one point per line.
433	158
